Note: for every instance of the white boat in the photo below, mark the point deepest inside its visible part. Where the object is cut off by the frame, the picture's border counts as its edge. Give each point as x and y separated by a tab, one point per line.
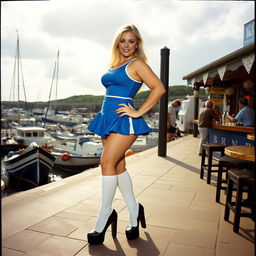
34	134
69	120
75	162
78	155
145	142
84	146
64	136
24	122
29	167
17	115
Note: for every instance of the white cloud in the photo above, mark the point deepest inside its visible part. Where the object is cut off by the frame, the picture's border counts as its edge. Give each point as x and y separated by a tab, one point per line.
197	32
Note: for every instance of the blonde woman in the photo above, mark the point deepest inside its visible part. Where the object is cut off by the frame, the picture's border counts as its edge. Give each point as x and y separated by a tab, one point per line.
119	123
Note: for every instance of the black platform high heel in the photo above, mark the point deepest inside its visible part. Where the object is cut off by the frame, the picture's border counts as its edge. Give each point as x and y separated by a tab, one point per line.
133	232
98	238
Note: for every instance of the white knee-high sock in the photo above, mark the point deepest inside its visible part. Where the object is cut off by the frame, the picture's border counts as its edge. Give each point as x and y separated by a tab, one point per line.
109	185
126	188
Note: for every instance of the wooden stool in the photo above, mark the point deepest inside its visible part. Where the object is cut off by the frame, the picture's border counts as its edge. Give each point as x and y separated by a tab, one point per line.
208	167
243	179
225	163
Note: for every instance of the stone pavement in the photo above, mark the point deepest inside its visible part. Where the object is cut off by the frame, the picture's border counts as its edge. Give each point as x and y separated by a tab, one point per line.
182	216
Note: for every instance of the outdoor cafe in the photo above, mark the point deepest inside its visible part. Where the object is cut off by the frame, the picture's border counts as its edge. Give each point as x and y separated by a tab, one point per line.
231	145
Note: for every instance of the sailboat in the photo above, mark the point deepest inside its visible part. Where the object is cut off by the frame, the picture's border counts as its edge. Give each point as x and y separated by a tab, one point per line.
29	166
51	114
73	153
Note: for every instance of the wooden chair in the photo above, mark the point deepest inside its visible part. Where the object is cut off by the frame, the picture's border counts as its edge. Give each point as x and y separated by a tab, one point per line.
226	163
244	181
211	148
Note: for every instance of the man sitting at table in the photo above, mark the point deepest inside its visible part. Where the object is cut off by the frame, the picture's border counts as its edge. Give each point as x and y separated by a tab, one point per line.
245	114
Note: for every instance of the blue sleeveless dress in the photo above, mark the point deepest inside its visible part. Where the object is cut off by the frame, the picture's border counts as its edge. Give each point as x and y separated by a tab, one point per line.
120	88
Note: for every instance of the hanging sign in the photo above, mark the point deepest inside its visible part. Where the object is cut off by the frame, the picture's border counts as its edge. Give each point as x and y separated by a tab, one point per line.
249	32
217	95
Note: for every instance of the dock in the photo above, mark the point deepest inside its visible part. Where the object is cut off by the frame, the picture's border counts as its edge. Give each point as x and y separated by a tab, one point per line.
182	216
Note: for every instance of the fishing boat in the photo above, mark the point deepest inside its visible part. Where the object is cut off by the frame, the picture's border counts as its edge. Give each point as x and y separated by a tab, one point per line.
29	167
78	155
27	135
75	162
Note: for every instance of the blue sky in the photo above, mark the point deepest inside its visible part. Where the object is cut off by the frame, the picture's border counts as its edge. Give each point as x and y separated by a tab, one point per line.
196	32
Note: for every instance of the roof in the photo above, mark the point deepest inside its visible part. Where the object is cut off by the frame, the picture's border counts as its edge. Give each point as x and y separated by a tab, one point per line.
229	62
31	129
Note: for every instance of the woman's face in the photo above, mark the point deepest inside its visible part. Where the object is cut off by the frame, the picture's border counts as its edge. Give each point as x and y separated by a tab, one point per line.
127	44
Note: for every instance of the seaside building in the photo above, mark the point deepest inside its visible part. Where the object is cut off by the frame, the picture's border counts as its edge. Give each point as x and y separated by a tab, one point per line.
227	80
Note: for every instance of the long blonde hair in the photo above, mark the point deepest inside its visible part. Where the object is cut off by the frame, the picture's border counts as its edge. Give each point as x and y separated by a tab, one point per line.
139	53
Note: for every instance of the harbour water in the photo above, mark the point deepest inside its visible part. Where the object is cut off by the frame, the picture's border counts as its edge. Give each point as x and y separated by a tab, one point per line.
57	173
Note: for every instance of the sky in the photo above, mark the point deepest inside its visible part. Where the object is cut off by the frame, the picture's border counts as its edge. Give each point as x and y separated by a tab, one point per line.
196	32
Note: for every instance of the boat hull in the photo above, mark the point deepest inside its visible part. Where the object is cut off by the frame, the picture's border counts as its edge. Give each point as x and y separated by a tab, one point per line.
78	163
31	168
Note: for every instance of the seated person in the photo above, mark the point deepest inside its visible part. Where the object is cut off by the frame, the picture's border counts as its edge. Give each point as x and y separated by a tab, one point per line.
245	114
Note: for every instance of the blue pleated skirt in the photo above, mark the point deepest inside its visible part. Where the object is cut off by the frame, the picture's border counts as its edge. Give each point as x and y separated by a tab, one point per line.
107	121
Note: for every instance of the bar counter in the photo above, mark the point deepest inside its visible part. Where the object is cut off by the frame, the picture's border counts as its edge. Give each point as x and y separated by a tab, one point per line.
230	135
233	128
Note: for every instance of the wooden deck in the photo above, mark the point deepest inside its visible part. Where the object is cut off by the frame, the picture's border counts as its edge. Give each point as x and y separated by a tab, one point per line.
181	213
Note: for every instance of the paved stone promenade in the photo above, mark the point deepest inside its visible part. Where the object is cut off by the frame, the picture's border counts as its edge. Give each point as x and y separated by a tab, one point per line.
182	216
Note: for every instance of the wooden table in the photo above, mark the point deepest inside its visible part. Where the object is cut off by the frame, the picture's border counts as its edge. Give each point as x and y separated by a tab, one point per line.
250	137
241	152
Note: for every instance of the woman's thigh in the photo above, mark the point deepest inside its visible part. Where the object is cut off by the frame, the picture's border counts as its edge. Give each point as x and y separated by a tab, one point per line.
115	146
120	166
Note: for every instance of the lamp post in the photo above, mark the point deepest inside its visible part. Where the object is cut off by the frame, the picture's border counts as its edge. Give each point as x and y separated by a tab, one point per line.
164	76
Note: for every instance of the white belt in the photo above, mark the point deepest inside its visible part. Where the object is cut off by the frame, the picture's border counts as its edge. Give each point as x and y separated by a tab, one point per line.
112	96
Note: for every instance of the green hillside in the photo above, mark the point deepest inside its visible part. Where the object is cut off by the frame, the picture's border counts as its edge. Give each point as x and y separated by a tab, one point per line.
173	91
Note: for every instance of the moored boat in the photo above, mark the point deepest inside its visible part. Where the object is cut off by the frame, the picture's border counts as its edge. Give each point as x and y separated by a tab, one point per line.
145	142
33	134
77	155
29	167
75	162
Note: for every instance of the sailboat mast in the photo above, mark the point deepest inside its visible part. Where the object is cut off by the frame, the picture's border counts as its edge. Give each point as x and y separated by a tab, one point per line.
18	75
12	92
48	105
57	75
